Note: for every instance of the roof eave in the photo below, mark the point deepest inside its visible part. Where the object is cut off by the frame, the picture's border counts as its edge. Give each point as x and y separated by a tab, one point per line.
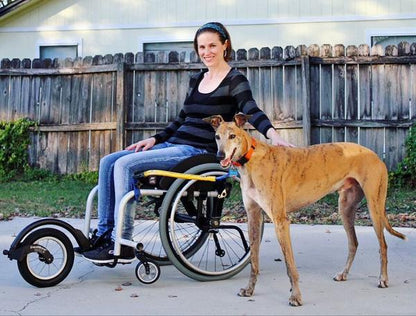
14	7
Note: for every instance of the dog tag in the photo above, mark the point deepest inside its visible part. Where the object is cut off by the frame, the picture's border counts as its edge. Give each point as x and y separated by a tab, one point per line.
233	173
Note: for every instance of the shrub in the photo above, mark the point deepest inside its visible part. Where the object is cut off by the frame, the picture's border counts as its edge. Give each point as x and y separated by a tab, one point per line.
90	177
405	174
14	142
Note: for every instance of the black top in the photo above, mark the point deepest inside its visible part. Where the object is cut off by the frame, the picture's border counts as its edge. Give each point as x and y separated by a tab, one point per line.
233	95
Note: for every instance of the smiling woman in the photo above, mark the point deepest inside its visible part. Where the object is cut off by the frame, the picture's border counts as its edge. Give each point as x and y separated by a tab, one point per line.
217	90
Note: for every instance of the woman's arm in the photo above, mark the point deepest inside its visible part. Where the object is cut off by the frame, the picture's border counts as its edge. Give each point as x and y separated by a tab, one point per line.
241	91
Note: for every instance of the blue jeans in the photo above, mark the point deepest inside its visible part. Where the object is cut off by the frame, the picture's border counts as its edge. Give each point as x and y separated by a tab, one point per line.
116	173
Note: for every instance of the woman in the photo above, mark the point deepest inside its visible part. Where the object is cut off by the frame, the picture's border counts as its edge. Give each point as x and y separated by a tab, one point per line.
216	90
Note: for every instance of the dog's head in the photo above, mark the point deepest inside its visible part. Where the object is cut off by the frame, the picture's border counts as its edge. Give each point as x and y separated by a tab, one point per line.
232	140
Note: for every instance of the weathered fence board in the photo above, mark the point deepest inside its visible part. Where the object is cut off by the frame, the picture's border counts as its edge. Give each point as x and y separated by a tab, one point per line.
364	91
352	101
90	107
412	110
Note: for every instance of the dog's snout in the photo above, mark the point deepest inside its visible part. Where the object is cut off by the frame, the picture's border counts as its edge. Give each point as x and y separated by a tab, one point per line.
220	155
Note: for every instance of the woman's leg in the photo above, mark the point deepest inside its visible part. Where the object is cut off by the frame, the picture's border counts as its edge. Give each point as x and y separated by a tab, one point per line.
162	156
106	197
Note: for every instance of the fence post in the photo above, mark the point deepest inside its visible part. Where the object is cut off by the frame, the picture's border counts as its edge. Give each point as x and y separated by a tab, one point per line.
306	99
120	105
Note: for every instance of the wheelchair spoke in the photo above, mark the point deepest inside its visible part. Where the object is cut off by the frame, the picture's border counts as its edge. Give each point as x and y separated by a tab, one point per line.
147	233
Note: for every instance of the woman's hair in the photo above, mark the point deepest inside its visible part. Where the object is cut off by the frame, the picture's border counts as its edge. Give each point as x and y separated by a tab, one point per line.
215	27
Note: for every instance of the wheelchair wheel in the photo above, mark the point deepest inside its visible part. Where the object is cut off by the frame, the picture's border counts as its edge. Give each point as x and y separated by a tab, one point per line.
49	258
148	272
147	233
202	247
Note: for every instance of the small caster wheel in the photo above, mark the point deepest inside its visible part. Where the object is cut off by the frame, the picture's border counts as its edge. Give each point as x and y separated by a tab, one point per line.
148	272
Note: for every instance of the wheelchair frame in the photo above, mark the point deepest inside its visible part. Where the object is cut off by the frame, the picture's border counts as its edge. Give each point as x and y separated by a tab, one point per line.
28	241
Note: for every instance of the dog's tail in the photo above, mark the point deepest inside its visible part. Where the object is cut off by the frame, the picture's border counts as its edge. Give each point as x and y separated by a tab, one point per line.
392	231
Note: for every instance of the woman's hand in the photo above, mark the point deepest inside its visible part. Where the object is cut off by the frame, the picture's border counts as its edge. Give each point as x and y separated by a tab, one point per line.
142	145
276	139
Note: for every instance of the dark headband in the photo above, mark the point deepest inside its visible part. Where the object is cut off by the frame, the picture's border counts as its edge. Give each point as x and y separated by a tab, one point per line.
214	27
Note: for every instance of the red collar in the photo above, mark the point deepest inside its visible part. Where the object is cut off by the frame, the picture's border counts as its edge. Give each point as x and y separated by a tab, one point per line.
240	162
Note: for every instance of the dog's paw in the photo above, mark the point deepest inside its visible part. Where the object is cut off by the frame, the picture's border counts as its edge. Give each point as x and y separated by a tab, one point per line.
383	284
247	292
340	277
295	300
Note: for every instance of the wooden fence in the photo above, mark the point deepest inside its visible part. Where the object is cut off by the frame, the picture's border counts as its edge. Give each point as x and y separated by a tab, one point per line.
90	107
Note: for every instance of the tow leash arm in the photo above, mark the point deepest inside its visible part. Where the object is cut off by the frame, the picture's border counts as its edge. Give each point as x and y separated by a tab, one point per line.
232	173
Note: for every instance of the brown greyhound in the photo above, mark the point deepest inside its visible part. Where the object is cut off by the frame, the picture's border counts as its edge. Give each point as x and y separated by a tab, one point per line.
281	179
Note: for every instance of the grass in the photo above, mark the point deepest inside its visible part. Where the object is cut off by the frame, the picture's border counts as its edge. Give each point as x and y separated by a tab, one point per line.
66	197
400	209
51	197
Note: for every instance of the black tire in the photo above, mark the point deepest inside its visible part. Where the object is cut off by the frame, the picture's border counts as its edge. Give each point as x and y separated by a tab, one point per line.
207	261
150	276
34	267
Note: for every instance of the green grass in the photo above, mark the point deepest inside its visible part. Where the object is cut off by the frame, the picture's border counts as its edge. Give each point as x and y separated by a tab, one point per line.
66	197
400	209
51	197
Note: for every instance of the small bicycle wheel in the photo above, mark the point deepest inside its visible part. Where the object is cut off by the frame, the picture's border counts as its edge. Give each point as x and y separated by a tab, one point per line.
49	258
223	252
147	273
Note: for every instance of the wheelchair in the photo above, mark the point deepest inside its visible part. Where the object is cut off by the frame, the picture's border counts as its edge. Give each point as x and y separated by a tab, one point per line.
189	227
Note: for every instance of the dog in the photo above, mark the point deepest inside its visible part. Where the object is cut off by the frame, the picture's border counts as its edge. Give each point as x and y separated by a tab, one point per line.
281	179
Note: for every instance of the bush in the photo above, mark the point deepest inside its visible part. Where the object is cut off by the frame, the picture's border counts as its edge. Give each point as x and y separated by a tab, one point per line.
14	142
36	174
90	177
405	174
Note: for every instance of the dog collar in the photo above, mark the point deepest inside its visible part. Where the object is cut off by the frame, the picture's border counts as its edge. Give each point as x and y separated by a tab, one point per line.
240	162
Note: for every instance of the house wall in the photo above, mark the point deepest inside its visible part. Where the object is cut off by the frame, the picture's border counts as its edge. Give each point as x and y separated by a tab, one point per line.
102	27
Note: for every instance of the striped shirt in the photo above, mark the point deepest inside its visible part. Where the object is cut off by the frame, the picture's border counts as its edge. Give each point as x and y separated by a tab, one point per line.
233	95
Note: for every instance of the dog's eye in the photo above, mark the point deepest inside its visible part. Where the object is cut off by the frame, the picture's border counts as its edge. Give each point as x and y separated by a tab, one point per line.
232	136
217	136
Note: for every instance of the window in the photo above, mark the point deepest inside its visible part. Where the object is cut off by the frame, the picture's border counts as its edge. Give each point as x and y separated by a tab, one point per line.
386	40
167	47
62	48
58	51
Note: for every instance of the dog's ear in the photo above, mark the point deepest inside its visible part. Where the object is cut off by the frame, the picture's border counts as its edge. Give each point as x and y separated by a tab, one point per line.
214	120
240	119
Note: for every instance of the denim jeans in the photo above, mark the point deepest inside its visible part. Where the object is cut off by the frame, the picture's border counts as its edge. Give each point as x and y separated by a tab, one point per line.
115	176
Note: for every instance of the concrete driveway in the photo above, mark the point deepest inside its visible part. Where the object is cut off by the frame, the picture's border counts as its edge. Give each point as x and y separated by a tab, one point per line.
320	252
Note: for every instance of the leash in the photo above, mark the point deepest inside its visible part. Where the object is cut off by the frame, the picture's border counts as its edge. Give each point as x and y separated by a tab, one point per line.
246	157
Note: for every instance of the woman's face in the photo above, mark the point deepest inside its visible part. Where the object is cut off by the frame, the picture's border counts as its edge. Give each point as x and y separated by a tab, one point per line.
210	49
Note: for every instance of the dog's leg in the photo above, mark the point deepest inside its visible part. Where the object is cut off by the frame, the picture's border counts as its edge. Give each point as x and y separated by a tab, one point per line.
378	225
379	229
348	202
375	190
282	227
254	214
